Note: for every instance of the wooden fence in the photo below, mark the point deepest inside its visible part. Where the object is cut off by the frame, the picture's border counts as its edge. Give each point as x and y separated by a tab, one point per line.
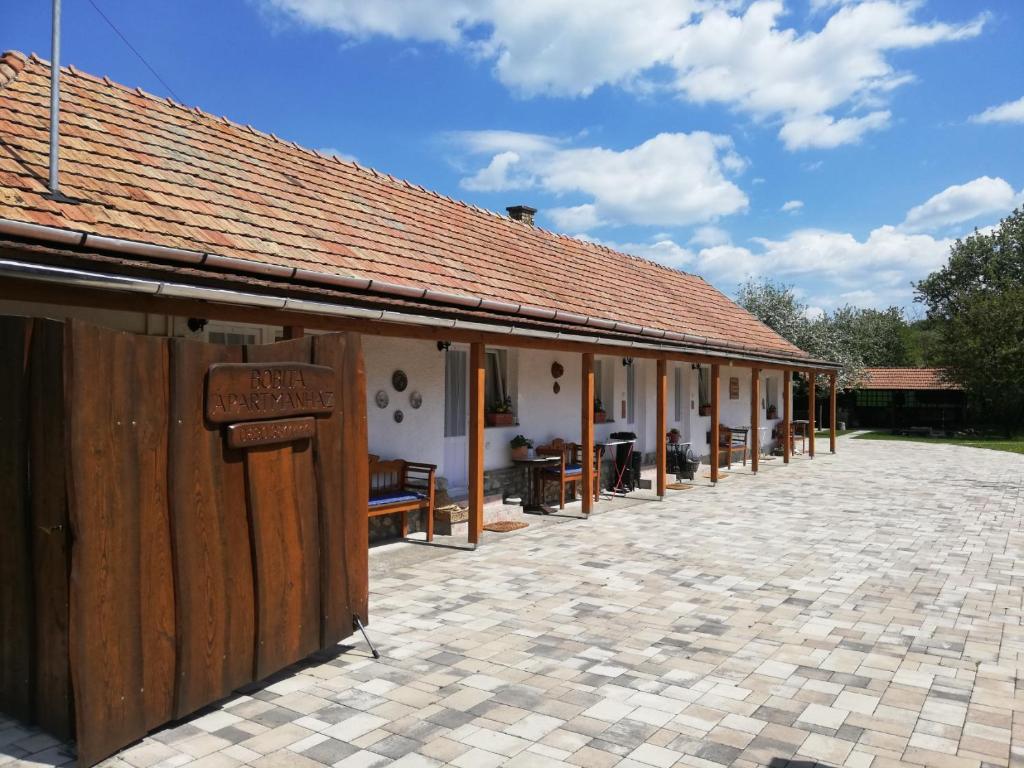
148	568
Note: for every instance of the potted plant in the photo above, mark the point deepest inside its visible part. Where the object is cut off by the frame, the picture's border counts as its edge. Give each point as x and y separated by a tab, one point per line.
705	409
521	446
500	413
673	435
773	412
600	416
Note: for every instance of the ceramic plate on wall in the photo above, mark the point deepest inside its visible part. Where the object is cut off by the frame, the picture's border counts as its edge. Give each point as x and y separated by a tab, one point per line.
399	416
415	399
382	398
399	381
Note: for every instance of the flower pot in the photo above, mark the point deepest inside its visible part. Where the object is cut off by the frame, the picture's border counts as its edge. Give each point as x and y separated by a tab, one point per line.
673	439
599	417
521	453
500	419
705	410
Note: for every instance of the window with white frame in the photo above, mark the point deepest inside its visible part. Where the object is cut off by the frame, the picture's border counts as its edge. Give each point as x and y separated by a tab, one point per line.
230	334
771	393
704	385
631	393
677	384
496	380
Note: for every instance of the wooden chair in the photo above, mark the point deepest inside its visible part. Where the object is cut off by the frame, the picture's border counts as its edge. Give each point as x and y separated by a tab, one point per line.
730	441
401	487
569	470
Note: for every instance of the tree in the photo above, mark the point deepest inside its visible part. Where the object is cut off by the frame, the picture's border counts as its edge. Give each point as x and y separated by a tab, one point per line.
853	337
976	312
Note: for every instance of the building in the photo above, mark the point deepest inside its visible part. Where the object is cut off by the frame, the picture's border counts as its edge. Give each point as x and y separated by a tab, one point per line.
396	322
902	398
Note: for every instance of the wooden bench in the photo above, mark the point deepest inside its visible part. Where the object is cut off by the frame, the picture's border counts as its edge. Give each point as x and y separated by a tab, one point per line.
400	487
569	470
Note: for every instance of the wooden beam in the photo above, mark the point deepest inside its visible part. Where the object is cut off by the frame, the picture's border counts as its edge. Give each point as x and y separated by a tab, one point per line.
587	430
716	377
476	442
787	413
662	425
293	332
755	418
812	386
832	412
30	290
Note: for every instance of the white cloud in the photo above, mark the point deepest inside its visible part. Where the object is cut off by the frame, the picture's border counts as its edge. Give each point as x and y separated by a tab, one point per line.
672	179
1010	112
792	206
958	203
825	86
335	152
709	235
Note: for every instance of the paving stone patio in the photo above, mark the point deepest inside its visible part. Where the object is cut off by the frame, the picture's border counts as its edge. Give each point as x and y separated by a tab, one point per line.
855	610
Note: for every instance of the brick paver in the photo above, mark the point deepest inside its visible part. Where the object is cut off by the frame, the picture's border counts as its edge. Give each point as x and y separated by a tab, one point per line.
856	610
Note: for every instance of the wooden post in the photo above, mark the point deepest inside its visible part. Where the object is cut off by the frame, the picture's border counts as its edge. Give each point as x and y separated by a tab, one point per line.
812	380
587	431
787	413
294	332
476	442
661	428
716	376
755	418
832	411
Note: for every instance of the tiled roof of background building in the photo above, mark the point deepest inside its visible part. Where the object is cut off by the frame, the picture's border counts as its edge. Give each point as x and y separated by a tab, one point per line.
147	169
905	378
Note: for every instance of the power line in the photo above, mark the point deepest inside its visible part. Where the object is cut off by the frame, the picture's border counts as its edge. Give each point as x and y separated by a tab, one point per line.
136	52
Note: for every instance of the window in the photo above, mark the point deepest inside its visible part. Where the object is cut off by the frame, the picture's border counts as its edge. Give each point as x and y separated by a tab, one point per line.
631	393
677	383
455	364
496	378
771	393
234	336
874	398
704	385
599	382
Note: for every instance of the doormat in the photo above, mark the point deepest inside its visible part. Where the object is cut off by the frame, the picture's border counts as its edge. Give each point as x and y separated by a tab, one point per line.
721	475
504	526
679	486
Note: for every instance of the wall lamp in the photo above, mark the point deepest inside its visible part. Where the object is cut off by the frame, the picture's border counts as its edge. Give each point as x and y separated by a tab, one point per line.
627	361
442	346
196	324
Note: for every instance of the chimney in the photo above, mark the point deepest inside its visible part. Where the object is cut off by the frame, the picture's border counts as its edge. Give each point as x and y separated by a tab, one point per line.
523	213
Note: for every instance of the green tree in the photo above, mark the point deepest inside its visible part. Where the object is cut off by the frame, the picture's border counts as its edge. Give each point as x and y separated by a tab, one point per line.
976	312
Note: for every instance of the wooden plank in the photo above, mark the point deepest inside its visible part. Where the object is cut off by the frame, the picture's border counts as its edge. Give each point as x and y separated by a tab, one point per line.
476	442
355	478
716	396
832	412
215	605
16	610
284	520
50	543
587	429
661	428
267	390
812	387
787	414
122	613
755	419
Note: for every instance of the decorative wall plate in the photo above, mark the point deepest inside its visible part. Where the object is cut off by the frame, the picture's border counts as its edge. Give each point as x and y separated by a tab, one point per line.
399	416
557	370
415	399
399	381
381	398
557	387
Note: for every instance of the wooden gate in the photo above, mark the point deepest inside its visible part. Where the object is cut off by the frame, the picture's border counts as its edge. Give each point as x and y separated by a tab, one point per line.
167	538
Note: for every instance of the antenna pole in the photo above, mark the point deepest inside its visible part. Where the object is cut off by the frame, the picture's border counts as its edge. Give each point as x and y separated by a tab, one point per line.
55	101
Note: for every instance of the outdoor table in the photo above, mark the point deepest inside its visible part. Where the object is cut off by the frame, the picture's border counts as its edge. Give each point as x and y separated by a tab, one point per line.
531	500
618	488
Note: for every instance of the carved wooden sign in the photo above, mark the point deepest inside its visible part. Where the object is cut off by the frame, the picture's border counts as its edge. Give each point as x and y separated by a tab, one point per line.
734	388
270	432
256	391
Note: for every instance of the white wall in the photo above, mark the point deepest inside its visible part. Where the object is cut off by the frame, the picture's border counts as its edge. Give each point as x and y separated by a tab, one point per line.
420	435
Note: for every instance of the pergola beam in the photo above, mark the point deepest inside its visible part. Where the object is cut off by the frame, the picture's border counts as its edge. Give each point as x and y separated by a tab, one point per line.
662	426
755	418
587	430
476	442
716	380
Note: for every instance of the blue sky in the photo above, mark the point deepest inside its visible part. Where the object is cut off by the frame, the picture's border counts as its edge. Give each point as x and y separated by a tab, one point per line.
833	145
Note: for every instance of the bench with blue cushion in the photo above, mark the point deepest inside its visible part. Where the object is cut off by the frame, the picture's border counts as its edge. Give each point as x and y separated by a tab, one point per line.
400	487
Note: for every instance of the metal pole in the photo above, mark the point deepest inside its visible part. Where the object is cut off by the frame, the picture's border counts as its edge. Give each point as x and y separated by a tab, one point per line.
55	101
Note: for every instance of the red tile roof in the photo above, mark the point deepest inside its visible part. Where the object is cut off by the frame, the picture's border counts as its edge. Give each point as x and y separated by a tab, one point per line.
905	378
148	169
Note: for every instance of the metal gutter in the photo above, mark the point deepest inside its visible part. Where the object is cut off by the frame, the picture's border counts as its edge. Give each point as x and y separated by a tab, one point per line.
97	280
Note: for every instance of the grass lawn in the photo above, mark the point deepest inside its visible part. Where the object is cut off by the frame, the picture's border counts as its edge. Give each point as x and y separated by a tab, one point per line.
824	432
1013	445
